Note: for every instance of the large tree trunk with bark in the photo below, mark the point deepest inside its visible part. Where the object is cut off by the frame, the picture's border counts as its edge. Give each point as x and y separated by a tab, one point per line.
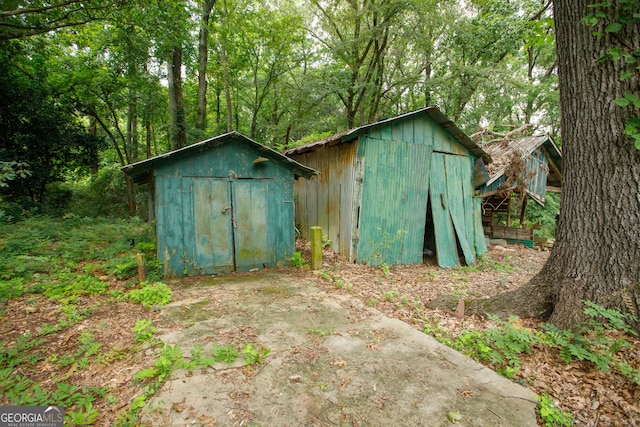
203	53
596	256
177	114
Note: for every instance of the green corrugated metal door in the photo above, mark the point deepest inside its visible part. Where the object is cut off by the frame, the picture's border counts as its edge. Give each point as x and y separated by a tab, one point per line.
394	202
451	203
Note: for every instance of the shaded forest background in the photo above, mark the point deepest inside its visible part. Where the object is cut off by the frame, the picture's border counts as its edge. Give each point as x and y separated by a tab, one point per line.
87	87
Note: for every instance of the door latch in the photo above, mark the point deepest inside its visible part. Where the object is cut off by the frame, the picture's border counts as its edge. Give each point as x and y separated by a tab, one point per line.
225	209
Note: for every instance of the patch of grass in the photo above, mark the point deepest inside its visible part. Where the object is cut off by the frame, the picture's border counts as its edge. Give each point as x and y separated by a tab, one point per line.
321	332
390	295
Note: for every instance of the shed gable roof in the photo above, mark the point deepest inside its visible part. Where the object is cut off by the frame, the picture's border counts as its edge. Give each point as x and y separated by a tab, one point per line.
502	151
140	172
433	112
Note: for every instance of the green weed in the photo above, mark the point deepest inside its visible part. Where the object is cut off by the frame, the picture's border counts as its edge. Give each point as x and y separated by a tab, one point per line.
597	341
143	330
198	359
253	354
390	295
151	295
385	268
297	260
224	353
321	332
551	415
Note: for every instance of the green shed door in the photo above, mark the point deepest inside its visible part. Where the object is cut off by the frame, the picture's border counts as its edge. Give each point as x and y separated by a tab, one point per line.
451	204
394	202
212	233
250	210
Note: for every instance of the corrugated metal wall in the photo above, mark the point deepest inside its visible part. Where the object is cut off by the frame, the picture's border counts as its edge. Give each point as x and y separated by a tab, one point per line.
394	202
371	198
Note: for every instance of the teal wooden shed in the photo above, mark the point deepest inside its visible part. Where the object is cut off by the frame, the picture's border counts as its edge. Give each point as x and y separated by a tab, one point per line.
396	190
221	205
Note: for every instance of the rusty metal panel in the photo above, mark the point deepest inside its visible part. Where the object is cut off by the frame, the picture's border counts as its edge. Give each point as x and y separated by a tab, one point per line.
327	200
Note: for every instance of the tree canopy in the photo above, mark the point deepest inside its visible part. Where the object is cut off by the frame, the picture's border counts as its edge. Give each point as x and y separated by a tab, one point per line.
85	85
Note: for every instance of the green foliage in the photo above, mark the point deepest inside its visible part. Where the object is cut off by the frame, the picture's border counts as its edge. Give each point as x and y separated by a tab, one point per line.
144	330
309	138
47	252
321	332
198	359
224	353
38	129
551	415
297	260
385	268
151	295
390	295
501	346
103	194
597	341
253	354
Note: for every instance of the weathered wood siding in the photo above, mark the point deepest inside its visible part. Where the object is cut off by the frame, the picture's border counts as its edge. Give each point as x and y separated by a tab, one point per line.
327	200
219	212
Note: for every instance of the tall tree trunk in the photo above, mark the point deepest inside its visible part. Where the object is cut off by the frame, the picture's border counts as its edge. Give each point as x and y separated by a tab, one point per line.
203	51
177	114
227	88
132	125
93	131
596	256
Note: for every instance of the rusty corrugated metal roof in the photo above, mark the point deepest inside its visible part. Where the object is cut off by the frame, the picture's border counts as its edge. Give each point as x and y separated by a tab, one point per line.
502	151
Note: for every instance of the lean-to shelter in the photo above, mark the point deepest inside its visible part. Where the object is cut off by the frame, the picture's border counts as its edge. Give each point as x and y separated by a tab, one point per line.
527	167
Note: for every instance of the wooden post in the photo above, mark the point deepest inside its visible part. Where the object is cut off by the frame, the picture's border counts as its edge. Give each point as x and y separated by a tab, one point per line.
523	211
142	271
316	247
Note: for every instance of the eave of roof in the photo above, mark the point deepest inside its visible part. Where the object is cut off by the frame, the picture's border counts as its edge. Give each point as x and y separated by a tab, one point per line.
433	111
140	172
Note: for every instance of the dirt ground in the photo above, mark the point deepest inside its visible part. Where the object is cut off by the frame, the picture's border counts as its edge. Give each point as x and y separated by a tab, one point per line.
593	397
333	360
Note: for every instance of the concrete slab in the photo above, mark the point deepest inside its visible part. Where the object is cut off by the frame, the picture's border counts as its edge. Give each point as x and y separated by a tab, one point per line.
332	361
